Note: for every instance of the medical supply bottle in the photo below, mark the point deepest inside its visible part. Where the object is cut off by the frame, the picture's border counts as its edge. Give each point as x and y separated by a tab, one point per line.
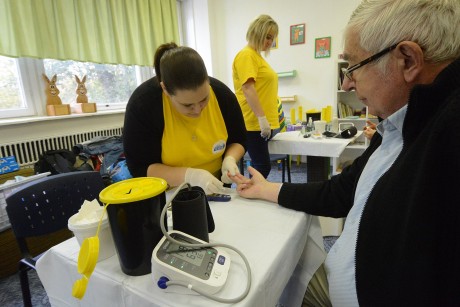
310	126
304	128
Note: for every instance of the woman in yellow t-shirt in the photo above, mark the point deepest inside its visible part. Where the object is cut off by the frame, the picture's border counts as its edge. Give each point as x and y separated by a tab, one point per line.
256	88
182	125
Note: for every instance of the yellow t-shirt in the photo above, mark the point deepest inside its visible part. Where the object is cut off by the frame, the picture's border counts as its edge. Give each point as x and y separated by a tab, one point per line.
249	64
194	142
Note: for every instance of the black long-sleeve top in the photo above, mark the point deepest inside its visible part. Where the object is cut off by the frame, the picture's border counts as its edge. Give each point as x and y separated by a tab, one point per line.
408	246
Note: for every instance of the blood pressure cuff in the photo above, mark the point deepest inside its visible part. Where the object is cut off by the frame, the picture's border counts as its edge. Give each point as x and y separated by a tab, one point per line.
191	213
349	132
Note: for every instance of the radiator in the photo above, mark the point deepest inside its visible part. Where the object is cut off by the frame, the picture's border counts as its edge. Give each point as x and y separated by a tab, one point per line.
28	152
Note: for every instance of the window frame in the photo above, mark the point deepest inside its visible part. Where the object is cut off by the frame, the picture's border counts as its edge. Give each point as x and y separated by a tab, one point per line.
31	70
30	73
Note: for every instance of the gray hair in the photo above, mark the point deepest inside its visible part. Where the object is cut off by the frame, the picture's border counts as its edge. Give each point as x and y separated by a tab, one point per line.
258	31
432	24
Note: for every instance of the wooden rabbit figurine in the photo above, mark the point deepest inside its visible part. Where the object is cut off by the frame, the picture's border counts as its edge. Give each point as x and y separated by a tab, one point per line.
51	91
81	90
82	105
54	104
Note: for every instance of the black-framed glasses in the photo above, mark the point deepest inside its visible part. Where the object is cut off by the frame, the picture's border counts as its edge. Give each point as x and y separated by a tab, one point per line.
349	71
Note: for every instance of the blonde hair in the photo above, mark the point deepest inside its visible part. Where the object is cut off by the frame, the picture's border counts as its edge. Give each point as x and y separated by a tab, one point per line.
432	24
258	31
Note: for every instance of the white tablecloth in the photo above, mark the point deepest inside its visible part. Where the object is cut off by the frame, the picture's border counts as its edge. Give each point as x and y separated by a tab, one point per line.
281	245
293	143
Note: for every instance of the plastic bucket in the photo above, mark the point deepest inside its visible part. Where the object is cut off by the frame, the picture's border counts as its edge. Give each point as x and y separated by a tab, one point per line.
86	230
134	211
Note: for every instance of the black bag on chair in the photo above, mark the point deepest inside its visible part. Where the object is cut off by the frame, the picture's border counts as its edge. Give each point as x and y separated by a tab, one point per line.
191	213
58	162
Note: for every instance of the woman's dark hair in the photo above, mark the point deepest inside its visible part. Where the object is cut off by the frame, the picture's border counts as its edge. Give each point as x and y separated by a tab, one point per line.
179	67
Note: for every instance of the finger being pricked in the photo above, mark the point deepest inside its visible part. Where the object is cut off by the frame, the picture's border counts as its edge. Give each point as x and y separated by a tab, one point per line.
246	190
239	178
242	186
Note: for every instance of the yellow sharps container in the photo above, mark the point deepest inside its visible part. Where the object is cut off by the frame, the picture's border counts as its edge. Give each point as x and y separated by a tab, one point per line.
134	209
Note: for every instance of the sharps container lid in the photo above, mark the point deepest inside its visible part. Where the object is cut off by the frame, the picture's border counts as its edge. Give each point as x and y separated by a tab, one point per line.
131	190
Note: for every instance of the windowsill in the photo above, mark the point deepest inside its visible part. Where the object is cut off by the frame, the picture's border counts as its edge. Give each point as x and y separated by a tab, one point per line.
30	119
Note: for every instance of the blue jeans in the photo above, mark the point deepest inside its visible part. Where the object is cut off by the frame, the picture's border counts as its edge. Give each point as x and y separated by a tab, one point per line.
258	151
110	146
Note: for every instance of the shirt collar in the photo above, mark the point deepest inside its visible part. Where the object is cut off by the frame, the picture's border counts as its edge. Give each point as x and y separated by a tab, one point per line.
394	121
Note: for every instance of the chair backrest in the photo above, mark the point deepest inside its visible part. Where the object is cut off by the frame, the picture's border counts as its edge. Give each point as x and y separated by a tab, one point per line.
45	205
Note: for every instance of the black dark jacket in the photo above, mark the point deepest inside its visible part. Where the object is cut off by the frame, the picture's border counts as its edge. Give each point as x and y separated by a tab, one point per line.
408	247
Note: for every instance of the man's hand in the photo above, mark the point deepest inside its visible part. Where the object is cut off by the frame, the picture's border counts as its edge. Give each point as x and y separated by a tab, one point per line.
257	186
369	130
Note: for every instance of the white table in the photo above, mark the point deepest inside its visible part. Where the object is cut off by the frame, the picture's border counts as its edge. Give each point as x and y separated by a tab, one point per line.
283	247
316	150
293	143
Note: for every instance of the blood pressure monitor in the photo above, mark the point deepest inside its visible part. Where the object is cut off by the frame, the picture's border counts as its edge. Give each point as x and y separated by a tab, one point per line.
204	268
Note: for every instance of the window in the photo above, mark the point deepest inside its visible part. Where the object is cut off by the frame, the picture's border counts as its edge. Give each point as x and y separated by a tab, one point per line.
10	96
107	85
12	100
110	86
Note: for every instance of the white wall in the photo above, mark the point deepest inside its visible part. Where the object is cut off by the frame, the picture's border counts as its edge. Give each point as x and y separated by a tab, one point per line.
315	83
195	23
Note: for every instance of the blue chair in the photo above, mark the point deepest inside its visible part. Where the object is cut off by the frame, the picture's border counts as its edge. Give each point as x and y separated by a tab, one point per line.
43	207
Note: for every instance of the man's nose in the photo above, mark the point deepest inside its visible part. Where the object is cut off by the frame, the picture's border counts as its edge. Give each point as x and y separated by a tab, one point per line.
347	84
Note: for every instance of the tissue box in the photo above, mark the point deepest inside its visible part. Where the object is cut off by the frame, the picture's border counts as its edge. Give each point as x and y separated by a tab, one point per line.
8	165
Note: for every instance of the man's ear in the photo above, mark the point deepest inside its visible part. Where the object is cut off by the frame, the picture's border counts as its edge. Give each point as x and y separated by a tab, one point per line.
412	61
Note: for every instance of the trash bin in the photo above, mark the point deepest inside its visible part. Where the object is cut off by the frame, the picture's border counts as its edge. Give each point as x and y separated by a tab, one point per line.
134	209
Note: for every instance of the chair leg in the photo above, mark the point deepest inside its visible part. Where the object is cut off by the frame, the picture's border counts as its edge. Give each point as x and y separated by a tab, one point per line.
288	166
283	165
24	278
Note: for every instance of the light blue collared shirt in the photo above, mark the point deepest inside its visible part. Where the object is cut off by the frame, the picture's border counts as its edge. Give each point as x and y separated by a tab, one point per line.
340	262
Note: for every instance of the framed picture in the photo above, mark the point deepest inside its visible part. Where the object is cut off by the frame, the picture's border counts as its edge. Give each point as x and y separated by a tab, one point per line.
323	47
298	34
274	44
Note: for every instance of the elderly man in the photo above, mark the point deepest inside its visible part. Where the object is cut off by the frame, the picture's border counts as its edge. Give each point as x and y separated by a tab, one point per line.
400	244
